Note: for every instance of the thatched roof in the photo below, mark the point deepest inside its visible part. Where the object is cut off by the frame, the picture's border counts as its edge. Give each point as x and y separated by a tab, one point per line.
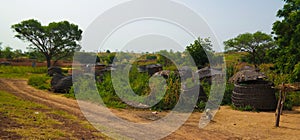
247	75
208	72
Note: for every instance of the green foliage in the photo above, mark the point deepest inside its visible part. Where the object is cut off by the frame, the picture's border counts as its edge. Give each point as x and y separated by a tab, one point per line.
55	41
245	108
172	94
7	53
40	82
107	93
139	81
164	58
287	31
200	50
227	95
151	57
206	87
229	71
107	58
34	54
256	44
201	105
273	76
71	93
296	73
292	99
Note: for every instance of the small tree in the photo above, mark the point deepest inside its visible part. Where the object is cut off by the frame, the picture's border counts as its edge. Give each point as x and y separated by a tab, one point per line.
256	44
55	41
200	50
8	53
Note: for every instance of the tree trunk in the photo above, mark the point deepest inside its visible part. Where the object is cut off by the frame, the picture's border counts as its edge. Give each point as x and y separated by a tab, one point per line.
48	58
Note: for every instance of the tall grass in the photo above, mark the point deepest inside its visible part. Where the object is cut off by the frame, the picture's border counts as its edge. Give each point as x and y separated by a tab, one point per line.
20	71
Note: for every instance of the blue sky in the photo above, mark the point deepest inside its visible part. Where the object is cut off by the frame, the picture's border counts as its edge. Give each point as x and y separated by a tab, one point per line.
227	18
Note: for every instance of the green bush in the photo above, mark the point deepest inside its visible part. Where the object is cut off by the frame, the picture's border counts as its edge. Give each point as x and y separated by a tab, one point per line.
292	99
296	73
227	95
40	82
139	83
71	93
108	94
172	94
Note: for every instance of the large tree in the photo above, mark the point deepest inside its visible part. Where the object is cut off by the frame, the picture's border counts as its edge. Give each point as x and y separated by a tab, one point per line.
200	50
256	44
55	41
287	31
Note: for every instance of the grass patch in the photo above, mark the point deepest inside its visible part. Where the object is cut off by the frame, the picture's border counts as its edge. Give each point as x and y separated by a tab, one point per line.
20	71
38	133
36	121
245	108
35	124
40	82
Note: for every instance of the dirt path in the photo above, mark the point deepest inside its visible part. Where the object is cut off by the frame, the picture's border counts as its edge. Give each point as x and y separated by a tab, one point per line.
228	123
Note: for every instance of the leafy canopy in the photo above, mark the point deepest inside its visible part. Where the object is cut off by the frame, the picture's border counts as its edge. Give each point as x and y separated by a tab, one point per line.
200	50
287	31
55	41
256	44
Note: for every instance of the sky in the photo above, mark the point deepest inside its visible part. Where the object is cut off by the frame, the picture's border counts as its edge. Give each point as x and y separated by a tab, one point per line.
226	18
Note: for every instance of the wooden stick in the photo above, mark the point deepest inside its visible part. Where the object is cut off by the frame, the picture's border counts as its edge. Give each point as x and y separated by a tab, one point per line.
283	100
279	105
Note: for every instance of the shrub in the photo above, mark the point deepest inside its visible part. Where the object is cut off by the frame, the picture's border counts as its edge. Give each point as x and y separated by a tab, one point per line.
172	94
292	99
227	95
70	94
40	82
108	94
296	73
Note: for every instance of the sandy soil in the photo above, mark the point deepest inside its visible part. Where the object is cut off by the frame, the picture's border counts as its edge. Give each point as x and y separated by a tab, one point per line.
227	124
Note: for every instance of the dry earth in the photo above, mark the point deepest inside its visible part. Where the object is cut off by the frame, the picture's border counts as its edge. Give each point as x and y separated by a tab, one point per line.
227	124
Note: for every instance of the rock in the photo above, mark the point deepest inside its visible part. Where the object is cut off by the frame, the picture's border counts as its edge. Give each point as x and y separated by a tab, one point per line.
150	69
63	85
56	78
54	70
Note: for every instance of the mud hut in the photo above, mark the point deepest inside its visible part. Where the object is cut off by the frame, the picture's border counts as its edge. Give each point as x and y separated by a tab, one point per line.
251	89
